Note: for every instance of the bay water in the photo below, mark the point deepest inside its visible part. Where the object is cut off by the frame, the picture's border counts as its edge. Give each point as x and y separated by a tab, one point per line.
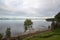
17	26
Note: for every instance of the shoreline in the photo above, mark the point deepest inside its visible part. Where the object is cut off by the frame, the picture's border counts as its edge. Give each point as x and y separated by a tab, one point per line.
28	34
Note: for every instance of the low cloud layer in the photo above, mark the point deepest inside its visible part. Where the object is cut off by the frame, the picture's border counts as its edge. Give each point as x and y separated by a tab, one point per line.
29	8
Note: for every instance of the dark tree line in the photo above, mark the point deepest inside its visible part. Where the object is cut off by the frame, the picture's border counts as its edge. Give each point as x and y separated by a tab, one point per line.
55	21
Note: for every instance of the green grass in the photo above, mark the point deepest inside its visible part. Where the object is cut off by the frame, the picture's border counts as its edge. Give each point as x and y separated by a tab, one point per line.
55	35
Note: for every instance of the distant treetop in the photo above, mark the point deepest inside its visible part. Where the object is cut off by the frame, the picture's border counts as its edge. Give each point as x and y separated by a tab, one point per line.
57	16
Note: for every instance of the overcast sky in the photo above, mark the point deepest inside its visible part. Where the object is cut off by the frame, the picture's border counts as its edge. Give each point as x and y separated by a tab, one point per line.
29	8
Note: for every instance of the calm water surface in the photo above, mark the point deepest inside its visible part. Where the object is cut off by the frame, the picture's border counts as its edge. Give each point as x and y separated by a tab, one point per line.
17	26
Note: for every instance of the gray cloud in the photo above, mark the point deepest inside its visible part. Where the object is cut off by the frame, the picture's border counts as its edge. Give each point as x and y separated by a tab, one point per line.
44	8
9	13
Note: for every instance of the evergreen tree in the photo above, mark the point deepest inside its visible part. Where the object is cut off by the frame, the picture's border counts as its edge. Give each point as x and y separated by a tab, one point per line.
1	36
8	33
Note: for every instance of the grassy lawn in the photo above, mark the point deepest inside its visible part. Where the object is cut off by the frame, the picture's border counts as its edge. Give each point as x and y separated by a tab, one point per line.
55	35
